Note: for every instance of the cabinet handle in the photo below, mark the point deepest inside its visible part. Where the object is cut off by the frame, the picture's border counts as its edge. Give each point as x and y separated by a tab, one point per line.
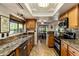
24	47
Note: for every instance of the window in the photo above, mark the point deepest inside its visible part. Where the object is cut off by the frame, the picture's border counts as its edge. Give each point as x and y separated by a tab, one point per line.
21	27
15	27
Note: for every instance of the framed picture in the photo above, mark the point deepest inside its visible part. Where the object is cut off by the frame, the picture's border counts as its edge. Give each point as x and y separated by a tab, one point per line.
4	24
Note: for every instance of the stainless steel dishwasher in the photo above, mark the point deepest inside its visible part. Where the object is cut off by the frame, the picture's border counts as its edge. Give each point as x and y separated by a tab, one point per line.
23	48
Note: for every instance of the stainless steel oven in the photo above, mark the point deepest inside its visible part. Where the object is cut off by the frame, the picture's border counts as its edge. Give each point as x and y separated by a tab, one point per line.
57	45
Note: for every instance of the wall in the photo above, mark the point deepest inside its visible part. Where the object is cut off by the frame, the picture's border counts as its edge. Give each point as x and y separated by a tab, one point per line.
77	33
3	11
36	34
54	24
6	12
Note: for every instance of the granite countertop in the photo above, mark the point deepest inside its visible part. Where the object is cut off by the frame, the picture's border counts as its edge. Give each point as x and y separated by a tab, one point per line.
72	42
7	48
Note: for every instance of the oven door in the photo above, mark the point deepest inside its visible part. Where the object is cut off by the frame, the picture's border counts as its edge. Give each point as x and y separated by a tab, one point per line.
57	47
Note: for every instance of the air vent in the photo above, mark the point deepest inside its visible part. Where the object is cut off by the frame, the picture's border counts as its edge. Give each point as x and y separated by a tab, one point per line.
20	5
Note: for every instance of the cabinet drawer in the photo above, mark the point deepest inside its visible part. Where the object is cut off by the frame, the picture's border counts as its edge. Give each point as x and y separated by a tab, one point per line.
73	51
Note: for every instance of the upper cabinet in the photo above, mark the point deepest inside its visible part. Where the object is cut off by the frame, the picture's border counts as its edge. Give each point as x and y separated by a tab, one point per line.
73	17
31	24
72	14
63	16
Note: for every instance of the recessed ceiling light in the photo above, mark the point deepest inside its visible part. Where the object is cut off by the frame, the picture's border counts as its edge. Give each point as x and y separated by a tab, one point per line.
42	22
43	4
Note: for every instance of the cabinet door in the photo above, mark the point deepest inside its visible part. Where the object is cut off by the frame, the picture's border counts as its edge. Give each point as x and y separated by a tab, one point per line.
51	39
28	48
73	17
63	16
31	24
63	48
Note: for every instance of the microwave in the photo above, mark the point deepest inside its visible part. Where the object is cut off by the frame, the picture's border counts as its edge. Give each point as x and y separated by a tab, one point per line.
64	23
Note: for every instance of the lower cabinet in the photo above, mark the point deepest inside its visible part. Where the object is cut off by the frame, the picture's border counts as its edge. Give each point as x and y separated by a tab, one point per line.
51	39
67	50
24	49
64	50
72	51
29	47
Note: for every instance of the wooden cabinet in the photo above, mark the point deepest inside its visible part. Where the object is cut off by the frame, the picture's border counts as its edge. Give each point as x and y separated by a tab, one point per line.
68	50
31	24
72	51
17	52
73	17
72	14
30	45
51	39
25	48
63	16
28	48
22	49
63	48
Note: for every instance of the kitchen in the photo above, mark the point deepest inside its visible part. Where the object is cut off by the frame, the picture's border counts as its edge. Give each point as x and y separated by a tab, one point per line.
39	29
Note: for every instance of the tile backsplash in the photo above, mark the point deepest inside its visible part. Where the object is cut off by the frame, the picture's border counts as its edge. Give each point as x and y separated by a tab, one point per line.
77	33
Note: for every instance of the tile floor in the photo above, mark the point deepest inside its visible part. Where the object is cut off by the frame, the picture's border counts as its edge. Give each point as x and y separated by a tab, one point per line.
42	50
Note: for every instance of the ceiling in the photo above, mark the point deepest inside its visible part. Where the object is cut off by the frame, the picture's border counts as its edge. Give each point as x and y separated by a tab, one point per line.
17	9
38	11
33	10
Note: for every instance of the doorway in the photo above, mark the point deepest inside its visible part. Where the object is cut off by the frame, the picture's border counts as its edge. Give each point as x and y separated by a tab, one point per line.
41	33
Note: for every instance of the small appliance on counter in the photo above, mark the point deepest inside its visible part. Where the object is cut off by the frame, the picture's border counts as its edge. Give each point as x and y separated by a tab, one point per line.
70	34
64	23
57	45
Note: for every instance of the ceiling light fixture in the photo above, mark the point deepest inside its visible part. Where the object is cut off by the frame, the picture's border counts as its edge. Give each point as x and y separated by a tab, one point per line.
43	4
42	23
